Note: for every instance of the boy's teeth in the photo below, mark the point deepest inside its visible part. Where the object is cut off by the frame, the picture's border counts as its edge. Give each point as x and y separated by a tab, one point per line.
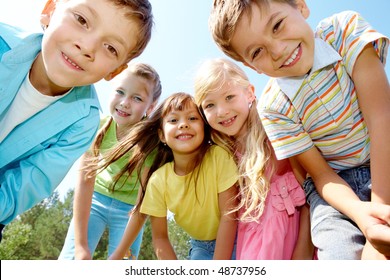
293	56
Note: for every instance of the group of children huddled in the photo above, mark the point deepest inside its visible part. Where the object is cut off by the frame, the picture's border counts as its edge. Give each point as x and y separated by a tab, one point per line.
285	176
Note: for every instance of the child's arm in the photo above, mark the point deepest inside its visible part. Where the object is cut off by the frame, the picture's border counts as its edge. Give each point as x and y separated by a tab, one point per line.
373	93
81	211
133	227
304	249
162	246
334	190
228	224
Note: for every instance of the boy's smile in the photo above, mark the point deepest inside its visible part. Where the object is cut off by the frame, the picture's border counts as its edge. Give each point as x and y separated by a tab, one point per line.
84	42
276	40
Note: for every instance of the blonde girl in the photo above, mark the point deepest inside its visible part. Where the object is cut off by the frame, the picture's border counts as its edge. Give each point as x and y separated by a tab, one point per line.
271	199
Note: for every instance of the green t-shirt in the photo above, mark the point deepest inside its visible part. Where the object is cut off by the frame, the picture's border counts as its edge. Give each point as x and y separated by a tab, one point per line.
125	190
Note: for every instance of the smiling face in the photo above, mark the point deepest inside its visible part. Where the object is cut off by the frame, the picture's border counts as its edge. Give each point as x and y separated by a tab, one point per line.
85	41
132	99
183	130
227	109
276	40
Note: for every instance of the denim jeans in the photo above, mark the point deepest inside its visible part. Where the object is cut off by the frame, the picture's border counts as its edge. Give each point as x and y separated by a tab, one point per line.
106	212
335	235
204	250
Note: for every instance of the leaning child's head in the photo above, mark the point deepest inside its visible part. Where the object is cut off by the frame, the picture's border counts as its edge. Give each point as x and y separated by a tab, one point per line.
225	97
88	40
269	36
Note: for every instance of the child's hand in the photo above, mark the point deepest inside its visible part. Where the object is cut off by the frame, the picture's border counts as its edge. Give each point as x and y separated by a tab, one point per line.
82	254
376	228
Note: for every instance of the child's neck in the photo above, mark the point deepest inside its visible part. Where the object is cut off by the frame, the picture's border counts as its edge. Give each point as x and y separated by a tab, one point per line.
121	132
40	80
183	163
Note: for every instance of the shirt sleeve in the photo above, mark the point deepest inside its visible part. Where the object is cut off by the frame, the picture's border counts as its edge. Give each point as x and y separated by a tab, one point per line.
282	125
153	203
227	172
348	32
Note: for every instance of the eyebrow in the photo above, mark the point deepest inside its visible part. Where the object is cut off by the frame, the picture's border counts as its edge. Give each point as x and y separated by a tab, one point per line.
115	37
267	25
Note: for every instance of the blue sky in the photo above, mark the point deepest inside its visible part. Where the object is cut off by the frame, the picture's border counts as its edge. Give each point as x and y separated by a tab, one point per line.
181	40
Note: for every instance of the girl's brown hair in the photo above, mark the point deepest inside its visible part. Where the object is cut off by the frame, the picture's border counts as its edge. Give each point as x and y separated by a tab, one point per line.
143	142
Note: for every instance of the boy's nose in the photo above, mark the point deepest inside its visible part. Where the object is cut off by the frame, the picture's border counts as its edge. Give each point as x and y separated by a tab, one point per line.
276	49
87	49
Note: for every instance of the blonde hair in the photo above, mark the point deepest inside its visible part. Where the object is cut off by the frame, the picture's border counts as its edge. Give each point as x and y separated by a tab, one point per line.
255	165
224	17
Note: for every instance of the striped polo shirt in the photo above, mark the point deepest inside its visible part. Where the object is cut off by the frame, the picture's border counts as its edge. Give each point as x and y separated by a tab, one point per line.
321	108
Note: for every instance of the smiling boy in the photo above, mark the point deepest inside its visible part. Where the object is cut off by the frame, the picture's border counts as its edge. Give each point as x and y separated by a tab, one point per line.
49	111
328	106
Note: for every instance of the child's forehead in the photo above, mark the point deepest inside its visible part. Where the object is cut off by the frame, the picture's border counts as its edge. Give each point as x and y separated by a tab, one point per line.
187	107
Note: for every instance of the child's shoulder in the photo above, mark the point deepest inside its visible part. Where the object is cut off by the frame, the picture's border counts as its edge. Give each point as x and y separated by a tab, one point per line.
337	21
12	34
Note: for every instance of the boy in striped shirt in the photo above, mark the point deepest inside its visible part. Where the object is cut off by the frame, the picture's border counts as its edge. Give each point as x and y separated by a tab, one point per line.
328	106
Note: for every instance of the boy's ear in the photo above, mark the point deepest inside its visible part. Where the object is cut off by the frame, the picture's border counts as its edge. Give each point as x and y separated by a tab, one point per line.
47	12
303	8
117	71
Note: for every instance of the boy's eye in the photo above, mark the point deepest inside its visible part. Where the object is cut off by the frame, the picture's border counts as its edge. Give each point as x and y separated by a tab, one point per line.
112	50
277	25
256	53
81	20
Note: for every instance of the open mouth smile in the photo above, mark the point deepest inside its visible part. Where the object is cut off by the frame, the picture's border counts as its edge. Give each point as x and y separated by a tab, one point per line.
121	113
294	57
71	62
184	136
228	122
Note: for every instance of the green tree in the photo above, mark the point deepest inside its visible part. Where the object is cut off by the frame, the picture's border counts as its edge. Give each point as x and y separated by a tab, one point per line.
39	234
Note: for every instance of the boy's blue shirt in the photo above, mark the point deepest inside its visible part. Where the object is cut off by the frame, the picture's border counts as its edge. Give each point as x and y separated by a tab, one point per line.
37	154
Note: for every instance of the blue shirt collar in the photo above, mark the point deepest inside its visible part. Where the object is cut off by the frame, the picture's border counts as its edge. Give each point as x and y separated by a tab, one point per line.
324	55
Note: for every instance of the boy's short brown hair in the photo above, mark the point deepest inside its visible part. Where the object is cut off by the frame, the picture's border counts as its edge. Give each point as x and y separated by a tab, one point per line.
224	17
140	11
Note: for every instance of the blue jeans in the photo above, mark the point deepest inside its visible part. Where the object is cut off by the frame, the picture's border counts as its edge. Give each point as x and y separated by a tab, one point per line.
204	250
105	212
335	235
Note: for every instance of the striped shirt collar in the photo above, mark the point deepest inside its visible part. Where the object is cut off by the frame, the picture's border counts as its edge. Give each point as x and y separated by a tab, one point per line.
324	55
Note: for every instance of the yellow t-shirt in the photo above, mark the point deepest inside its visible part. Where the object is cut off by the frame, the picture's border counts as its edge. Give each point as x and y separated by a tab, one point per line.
195	207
